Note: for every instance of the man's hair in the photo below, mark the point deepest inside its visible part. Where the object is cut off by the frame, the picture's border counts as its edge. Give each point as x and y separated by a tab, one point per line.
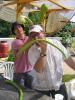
13	26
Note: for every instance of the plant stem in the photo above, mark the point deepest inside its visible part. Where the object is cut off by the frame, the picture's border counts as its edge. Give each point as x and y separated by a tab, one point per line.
26	46
17	87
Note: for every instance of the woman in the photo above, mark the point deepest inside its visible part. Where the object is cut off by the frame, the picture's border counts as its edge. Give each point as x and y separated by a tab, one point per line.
22	66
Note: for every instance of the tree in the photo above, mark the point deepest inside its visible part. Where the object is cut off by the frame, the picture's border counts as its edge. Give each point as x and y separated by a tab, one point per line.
65	34
4	28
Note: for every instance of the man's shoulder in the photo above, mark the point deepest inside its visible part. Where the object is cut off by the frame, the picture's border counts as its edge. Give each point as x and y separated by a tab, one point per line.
54	40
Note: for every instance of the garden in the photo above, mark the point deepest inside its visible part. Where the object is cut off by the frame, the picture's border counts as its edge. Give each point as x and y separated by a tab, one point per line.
65	32
66	36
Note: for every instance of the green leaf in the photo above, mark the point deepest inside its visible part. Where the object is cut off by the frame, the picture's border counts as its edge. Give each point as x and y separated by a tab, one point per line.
43	11
17	87
28	45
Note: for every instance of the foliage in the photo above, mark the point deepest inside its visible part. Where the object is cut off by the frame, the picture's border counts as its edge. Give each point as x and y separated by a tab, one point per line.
73	29
25	21
26	28
72	47
16	86
65	34
73	44
34	16
26	25
27	45
38	17
67	78
4	28
43	12
10	56
73	34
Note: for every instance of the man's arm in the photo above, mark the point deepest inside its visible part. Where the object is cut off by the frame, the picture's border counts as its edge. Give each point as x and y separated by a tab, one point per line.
70	62
40	64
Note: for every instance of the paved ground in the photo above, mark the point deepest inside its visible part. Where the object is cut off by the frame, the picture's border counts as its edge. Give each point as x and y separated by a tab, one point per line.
10	95
7	95
8	92
67	69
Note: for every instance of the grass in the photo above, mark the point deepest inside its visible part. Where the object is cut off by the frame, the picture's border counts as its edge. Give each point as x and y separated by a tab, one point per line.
68	77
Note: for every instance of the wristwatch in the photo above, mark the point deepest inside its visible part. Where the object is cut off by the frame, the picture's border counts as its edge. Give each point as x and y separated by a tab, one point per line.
42	54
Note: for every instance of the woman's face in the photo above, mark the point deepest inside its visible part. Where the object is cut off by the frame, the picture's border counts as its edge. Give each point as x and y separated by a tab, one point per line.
18	31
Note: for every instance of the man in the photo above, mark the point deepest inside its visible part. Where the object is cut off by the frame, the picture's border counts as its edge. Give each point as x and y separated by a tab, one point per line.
48	63
21	64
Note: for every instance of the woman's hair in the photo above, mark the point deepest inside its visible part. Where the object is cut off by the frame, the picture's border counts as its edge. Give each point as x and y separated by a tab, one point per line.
14	25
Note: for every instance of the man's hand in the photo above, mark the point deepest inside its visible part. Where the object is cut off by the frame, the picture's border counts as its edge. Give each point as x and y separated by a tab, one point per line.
43	47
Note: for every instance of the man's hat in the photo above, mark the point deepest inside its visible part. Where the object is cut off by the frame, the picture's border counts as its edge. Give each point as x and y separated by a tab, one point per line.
35	28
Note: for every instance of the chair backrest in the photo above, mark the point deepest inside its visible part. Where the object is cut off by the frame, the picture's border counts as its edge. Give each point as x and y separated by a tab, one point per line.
71	89
8	66
72	86
0	63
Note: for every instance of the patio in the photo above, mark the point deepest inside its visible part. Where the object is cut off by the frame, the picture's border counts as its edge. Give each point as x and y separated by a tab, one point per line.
10	95
7	92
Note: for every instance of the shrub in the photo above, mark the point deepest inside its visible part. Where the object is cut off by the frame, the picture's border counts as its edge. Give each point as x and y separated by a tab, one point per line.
66	35
10	56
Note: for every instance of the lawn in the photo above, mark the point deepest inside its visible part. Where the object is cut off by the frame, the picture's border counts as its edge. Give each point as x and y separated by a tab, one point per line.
68	77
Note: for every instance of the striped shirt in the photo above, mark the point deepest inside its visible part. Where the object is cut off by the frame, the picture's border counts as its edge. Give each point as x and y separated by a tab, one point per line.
51	77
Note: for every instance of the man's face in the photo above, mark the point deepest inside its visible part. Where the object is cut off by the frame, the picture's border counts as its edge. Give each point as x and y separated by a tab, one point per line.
36	35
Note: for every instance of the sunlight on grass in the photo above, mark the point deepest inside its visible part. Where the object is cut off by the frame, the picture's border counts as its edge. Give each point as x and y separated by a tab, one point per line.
67	77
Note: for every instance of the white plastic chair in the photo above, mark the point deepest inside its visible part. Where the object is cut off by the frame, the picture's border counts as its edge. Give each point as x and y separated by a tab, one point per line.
1	62
72	86
71	89
8	69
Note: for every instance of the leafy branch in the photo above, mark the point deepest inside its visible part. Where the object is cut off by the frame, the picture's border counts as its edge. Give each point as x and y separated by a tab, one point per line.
31	42
17	87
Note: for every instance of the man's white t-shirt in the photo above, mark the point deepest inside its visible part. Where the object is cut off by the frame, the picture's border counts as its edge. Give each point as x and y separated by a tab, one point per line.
51	77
